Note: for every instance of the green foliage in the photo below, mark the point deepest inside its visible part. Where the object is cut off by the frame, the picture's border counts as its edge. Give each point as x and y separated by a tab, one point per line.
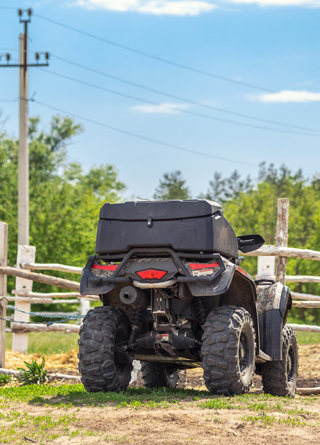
222	189
64	201
172	186
4	379
35	374
253	209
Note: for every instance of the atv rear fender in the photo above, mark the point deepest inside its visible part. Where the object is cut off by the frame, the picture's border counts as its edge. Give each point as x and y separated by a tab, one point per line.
273	304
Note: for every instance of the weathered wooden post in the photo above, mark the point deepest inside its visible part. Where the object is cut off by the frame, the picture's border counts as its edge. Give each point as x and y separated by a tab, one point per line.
26	254
3	290
282	238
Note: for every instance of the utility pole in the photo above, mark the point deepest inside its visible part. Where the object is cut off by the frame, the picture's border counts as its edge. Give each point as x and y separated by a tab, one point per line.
26	253
23	170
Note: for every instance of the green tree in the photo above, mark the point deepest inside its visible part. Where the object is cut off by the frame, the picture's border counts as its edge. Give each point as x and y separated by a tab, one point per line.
255	211
64	201
172	186
223	189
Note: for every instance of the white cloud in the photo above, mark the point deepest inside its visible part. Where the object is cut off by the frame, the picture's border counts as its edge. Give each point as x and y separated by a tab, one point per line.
155	7
304	84
287	96
165	108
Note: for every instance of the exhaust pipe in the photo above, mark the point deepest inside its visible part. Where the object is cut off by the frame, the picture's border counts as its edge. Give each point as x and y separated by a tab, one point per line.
135	297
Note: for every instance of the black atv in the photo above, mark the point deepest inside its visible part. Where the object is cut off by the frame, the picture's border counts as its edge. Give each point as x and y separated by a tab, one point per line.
174	297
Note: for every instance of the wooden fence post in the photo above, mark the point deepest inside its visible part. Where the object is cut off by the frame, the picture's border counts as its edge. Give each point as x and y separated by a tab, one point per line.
3	291
282	238
26	254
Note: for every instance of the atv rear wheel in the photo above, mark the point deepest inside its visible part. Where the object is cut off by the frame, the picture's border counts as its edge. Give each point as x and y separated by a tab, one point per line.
156	375
228	350
102	367
279	378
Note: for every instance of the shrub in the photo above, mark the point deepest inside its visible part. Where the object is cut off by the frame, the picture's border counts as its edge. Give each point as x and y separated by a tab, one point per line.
35	374
4	379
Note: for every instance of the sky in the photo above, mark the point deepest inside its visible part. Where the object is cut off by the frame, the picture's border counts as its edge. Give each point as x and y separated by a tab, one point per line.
199	86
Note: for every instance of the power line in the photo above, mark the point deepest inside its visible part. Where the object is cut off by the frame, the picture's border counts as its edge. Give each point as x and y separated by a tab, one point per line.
151	56
183	99
8	7
145	138
192	113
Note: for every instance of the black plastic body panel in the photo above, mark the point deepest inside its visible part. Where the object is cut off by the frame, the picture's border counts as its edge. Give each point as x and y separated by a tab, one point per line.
190	225
218	287
137	265
271	324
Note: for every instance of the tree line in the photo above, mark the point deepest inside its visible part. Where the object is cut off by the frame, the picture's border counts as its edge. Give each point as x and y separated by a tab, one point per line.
65	203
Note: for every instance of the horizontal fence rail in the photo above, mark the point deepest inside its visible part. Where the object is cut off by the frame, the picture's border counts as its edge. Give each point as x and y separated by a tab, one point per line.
305	327
300	296
288	252
57	267
293	278
55	295
35	327
40	278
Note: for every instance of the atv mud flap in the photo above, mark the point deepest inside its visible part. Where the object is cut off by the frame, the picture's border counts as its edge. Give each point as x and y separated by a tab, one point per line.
273	303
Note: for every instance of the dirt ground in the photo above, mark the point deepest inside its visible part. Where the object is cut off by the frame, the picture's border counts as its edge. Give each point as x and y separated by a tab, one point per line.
183	424
297	422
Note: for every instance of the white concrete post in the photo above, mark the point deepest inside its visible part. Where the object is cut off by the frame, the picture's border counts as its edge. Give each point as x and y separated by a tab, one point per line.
84	307
266	267
26	254
3	291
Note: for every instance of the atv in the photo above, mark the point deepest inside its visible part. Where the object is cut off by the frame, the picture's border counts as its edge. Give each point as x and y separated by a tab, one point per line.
175	297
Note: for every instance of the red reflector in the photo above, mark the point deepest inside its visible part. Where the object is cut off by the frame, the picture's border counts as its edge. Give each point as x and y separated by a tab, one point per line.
151	274
242	271
195	266
111	267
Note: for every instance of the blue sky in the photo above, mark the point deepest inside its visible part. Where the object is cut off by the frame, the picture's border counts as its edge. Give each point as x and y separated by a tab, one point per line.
271	44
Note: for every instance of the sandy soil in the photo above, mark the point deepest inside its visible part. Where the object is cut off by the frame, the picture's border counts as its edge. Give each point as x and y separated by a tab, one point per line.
309	366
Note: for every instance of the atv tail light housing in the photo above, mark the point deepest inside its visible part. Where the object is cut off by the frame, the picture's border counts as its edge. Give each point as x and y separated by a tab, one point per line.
203	269
103	269
108	267
151	274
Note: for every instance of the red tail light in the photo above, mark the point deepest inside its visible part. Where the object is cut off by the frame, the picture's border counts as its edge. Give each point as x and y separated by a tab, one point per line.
111	267
195	266
151	274
202	269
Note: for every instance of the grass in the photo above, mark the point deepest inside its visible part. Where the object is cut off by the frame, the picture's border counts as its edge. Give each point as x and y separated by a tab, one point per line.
47	344
307	338
15	426
59	342
135	398
75	395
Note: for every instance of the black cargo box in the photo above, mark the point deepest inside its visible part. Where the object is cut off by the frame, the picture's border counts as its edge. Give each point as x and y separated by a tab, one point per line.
187	226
